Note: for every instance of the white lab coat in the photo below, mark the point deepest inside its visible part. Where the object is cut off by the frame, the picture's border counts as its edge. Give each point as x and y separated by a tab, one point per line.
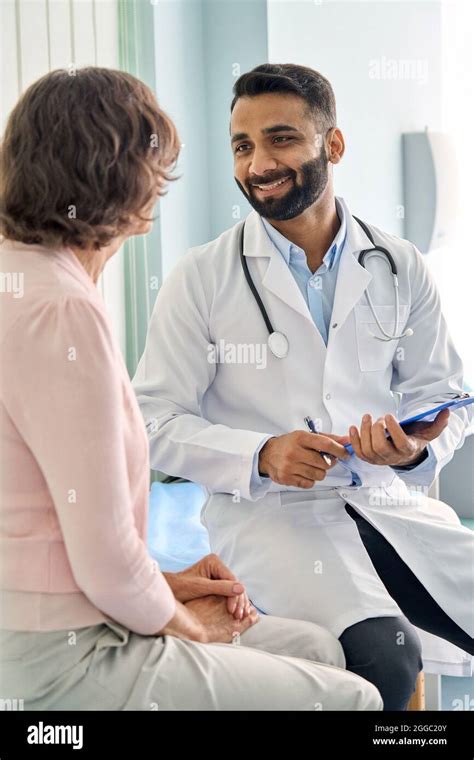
206	421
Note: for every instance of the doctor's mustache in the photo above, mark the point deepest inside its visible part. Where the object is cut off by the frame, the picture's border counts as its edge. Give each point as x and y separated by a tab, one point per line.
298	198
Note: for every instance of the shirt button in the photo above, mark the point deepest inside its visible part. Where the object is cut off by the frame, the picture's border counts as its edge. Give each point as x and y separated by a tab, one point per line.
312	283
328	396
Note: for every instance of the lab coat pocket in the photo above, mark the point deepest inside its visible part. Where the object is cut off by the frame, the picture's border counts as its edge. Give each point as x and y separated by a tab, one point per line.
375	355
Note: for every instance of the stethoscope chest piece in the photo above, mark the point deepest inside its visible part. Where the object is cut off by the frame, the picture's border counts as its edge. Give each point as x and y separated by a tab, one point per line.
278	344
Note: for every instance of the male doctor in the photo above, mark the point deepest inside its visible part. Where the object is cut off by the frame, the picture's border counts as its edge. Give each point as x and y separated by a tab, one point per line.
336	539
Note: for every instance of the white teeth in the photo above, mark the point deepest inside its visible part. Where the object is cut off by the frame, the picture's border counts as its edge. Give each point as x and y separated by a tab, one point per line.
272	185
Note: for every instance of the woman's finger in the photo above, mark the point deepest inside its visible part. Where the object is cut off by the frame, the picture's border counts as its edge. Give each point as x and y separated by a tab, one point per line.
232	602
208	586
247	622
240	611
217	568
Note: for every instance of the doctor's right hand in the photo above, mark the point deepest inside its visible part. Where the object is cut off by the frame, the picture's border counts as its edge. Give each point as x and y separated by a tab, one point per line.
293	459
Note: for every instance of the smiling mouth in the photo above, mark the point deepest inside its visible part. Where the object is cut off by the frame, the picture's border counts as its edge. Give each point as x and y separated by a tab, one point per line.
270	187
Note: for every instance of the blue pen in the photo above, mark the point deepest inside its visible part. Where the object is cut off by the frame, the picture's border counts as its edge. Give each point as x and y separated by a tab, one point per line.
312	429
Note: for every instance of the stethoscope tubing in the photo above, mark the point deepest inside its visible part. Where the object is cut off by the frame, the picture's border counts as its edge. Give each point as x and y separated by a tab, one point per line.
378	251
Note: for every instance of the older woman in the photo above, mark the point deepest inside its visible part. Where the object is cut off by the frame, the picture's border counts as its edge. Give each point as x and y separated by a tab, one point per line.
88	620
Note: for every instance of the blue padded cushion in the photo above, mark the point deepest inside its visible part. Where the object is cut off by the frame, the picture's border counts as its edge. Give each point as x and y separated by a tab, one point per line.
176	538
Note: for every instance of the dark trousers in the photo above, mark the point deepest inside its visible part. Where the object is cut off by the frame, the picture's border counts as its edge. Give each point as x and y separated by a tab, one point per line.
387	650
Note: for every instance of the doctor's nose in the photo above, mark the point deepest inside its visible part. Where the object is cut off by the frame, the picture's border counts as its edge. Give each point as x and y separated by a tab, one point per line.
262	162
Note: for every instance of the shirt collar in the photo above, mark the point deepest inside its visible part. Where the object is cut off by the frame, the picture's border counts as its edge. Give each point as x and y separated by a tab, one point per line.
289	250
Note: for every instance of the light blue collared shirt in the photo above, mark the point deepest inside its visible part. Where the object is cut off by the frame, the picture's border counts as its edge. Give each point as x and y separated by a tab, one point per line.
317	288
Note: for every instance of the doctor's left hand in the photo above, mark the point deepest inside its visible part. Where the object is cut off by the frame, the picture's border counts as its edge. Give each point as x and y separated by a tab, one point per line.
210	576
372	445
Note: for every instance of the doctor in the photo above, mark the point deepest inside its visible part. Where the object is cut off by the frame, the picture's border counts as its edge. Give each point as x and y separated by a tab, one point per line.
342	541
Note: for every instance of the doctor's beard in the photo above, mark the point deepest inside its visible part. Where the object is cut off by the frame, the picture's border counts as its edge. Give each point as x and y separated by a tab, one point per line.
299	197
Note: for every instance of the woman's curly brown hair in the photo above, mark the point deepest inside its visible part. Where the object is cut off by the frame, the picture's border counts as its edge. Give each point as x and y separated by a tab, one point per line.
84	153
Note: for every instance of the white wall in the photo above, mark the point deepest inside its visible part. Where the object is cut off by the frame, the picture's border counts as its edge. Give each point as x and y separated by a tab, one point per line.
348	42
458	121
37	36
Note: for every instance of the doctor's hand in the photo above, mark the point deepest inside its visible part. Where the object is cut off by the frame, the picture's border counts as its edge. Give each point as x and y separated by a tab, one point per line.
405	447
210	576
294	459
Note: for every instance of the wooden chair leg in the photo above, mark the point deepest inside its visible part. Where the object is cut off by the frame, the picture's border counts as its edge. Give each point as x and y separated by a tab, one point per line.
417	702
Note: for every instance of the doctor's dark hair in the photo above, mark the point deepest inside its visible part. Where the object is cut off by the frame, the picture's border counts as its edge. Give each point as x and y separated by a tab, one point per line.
85	153
293	79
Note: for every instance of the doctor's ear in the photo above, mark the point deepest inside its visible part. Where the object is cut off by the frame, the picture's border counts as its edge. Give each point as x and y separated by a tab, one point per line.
335	145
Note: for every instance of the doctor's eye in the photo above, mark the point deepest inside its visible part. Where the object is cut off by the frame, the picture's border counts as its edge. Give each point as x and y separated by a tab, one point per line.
284	138
242	145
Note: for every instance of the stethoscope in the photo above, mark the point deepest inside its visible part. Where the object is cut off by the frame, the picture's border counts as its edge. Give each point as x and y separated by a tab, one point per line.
278	342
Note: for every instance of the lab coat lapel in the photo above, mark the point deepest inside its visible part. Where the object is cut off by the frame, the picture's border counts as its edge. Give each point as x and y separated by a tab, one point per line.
276	277
352	278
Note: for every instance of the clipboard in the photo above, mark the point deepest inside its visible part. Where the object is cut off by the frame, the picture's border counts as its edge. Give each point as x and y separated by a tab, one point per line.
455	403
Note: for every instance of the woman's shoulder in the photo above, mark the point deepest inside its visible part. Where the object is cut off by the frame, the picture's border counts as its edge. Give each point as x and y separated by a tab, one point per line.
46	293
51	320
60	345
31	271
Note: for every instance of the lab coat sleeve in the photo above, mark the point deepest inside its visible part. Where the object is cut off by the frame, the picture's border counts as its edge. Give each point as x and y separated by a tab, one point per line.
64	392
172	377
259	482
427	371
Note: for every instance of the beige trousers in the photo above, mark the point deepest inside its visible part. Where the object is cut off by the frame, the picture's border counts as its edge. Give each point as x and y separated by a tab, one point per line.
278	664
